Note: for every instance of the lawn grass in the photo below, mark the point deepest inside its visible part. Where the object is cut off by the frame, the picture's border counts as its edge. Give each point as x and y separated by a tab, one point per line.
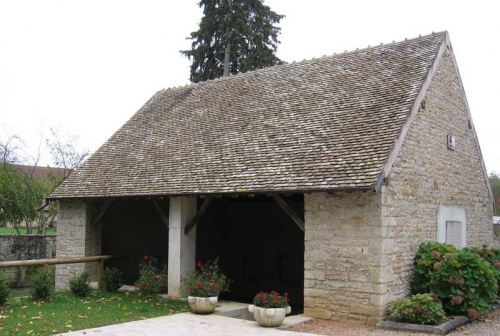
19	292
11	231
66	312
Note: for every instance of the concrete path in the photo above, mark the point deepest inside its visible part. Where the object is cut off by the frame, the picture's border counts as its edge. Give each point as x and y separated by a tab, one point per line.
187	324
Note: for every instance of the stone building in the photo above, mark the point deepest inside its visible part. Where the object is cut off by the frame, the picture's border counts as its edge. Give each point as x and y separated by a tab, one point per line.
319	178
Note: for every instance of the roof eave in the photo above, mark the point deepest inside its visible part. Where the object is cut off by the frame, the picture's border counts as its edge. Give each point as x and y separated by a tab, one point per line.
220	194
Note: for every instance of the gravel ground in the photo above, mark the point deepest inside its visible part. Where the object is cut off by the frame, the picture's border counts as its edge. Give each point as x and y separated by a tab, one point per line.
488	326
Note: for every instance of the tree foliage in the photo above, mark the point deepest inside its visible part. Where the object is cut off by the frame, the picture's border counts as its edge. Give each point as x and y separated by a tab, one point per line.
495	187
242	32
20	196
22	192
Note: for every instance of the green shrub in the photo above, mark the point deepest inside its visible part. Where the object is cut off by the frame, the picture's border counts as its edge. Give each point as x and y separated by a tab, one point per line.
111	279
419	309
4	289
490	255
42	285
423	264
79	285
461	279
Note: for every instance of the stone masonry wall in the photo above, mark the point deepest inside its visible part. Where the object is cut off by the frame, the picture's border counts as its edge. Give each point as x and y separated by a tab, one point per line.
426	175
77	237
344	261
25	247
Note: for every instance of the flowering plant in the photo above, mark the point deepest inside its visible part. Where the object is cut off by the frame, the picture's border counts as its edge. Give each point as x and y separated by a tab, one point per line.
207	280
271	300
151	278
419	309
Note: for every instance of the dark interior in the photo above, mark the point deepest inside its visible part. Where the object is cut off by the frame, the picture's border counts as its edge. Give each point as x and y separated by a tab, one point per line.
132	229
259	247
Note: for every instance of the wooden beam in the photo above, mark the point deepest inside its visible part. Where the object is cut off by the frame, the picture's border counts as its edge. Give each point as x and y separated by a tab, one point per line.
43	262
189	226
288	209
163	217
102	212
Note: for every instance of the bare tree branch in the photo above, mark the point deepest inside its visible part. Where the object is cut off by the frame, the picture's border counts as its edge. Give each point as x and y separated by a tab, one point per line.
64	150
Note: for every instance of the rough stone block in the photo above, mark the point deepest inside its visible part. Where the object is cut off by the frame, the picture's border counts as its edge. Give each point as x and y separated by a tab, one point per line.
309	302
318	313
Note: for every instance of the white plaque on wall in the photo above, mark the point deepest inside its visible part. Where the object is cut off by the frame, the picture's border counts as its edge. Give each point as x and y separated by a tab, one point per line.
454	233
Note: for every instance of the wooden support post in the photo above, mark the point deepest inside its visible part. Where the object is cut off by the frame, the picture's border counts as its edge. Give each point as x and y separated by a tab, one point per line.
163	217
288	209
100	269
102	212
198	215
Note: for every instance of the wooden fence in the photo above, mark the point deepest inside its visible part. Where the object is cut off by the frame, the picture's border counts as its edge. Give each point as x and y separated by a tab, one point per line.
57	261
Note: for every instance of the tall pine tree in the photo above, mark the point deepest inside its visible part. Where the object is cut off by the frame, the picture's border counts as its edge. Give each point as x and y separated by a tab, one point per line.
234	36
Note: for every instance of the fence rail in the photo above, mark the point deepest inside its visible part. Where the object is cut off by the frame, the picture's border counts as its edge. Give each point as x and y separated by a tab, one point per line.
59	261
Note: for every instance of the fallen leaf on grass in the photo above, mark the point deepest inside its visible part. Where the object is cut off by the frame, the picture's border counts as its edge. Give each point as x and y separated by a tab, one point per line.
82	317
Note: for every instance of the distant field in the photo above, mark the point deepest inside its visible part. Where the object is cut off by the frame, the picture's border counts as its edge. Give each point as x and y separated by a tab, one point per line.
12	231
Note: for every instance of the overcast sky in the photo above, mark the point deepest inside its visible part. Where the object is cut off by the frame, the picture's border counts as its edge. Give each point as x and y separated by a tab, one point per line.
88	66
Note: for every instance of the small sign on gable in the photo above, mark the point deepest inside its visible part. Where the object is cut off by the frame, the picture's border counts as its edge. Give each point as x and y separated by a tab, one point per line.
450	142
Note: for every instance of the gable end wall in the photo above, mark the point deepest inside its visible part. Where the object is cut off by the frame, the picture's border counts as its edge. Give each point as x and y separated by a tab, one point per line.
426	175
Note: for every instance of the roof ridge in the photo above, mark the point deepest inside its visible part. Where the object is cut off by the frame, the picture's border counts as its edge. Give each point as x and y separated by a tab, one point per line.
304	61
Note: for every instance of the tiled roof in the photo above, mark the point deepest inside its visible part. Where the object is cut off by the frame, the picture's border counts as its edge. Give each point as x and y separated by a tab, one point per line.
322	124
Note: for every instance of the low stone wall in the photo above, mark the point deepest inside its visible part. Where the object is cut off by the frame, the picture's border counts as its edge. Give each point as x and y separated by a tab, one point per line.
25	247
496	235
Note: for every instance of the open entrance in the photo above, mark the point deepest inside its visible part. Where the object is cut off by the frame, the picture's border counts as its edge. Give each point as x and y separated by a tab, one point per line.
132	229
259	246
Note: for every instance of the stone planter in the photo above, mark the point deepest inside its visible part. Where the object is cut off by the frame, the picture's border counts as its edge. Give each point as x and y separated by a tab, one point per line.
202	305
269	317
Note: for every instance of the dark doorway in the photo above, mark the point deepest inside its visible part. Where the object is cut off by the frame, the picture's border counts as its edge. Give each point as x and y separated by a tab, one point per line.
132	229
259	247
